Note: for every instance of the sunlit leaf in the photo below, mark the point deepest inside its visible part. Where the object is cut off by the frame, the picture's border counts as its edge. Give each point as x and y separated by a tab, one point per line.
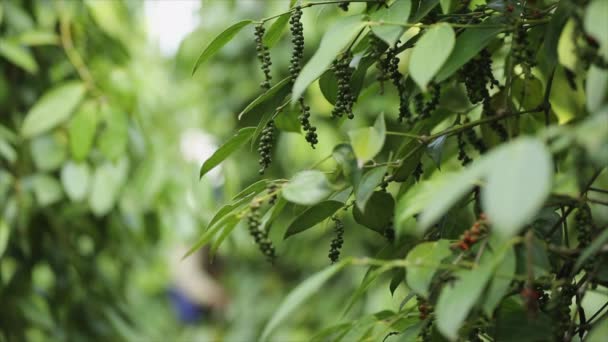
219	41
430	53
53	108
398	12
367	142
75	179
229	147
367	185
307	188
428	255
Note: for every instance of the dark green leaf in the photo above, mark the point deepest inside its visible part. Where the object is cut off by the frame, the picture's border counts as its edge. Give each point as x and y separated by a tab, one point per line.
312	216
367	185
553	32
424	7
378	212
274	33
269	94
219	41
229	147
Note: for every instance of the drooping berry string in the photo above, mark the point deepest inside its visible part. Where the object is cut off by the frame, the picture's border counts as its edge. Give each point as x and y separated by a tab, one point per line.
263	54
336	243
344	97
265	146
259	234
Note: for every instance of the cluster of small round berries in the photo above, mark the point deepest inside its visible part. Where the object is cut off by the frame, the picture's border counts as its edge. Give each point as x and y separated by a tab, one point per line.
272	189
344	98
265	146
297	33
535	297
560	309
475	140
424	308
462	153
523	53
476	74
260	235
311	131
472	235
263	55
336	243
392	70
432	103
584	224
378	46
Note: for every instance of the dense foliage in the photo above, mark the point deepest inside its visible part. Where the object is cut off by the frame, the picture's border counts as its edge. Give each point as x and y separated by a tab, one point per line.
462	145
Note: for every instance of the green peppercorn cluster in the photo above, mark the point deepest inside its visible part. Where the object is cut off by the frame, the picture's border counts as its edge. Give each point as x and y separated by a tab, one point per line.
523	52
476	75
336	243
272	189
475	140
311	131
428	107
297	38
584	225
390	67
378	46
462	153
265	146
259	234
560	310
344	98
263	55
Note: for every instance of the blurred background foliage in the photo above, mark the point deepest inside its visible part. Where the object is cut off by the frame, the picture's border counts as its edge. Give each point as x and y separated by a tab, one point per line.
101	139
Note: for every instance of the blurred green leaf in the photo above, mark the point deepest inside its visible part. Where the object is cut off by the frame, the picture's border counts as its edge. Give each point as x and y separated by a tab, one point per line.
518	183
336	38
596	87
219	41
599	331
229	147
75	179
18	55
46	189
500	283
398	12
52	109
430	53
5	234
429	256
113	139
106	185
596	25
313	216
369	182
298	296
48	151
81	130
307	188
368	142
458	298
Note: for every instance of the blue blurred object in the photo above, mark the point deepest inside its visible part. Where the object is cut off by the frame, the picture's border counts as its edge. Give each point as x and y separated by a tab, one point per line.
187	311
